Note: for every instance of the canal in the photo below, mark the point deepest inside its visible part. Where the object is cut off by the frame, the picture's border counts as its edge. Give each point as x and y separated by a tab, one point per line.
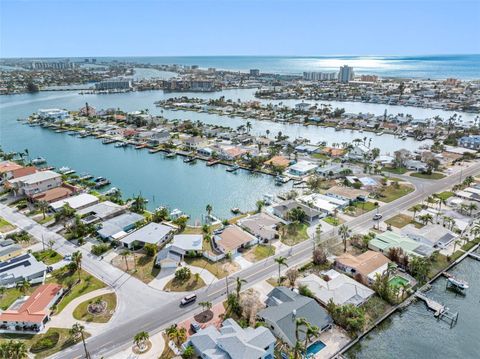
416	333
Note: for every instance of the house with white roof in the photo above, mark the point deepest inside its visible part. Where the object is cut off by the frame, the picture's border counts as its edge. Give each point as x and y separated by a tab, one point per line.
323	203
231	341
119	226
152	233
337	287
77	202
302	168
359	152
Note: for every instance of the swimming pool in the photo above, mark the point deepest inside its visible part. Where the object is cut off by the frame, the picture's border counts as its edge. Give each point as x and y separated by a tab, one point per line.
398	281
314	349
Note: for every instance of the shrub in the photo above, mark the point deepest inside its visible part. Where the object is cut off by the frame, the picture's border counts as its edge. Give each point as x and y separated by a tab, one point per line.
45	343
304	290
150	249
99	249
183	274
319	256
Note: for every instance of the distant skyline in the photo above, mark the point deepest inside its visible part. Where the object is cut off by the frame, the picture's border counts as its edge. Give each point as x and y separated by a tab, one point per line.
71	28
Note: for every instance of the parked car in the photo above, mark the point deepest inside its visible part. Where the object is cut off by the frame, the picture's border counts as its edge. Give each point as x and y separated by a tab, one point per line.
377	217
195	327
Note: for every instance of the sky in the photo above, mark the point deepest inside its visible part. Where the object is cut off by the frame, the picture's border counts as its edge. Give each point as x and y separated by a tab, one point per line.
68	28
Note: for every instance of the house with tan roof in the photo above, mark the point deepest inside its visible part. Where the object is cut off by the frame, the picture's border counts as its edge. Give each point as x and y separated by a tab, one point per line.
232	238
367	264
278	161
30	314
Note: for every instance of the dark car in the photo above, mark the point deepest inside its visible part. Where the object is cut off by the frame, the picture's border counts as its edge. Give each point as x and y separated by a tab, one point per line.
195	327
377	217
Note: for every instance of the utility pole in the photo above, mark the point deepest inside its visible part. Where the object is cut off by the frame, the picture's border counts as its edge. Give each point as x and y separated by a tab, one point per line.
226	282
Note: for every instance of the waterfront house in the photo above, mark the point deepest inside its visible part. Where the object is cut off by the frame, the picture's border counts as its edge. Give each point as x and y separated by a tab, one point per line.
434	235
302	168
232	238
359	152
231	341
35	183
261	225
167	258
55	194
330	171
231	153
30	314
187	243
309	149
119	226
284	306
383	242
347	193
206	152
10	170
77	202
366	265
152	233
100	212
333	152
282	210
278	162
24	267
9	249
195	143
415	165
322	203
338	287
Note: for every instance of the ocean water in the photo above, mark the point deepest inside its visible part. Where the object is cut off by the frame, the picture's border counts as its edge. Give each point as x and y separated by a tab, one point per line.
432	66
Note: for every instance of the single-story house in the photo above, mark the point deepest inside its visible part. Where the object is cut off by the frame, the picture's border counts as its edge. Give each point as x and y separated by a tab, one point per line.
415	165
77	202
359	152
231	341
100	212
32	314
367	265
232	238
284	306
330	171
24	267
347	193
261	225
386	240
323	203
307	149
152	233
119	226
185	243
302	168
433	235
278	161
9	249
338	287
167	258
281	210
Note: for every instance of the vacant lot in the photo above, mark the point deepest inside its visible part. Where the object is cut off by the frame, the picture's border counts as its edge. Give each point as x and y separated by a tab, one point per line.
293	233
401	220
359	208
219	269
394	192
139	265
48	256
259	252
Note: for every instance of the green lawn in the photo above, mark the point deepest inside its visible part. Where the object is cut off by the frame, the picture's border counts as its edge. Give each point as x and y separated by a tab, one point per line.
432	176
216	268
184	286
396	170
293	233
445	195
87	284
5	226
375	308
259	252
394	192
64	340
332	220
399	221
320	156
45	220
358	208
48	256
11	295
81	312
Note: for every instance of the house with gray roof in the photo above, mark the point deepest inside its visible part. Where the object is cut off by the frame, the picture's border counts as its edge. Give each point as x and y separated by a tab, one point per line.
100	212
261	225
24	267
118	227
285	306
281	210
233	342
9	249
434	235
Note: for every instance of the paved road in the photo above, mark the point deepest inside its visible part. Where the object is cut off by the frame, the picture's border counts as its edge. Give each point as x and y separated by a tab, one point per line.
150	311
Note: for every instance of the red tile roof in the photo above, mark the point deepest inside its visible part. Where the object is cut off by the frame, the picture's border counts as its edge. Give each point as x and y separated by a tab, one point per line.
8	166
35	308
24	171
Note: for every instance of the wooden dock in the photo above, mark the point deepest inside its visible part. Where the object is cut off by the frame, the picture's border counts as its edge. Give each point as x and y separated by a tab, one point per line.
436	307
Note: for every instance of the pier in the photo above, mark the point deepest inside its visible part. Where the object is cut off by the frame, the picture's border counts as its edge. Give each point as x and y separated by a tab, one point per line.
440	311
474	255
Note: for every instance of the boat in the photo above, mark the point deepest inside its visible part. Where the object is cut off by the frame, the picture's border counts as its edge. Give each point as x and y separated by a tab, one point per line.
176	213
121	144
235	210
111	191
39	161
101	182
85	177
140	146
458	283
170	155
212	162
232	168
107	141
380	133
279	180
189	159
268	198
154	150
74	133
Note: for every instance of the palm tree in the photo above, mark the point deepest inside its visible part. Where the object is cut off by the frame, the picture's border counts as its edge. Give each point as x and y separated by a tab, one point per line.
209	209
299	322
78	330
391	268
125	254
344	232
281	261
415	209
206	305
472	207
312	332
23	286
13	349
238	289
456	243
140	339
178	335
43	207
248	125
260	204
77	259
425	218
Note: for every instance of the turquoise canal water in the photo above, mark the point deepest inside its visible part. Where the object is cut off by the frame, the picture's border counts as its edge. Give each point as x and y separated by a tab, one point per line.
415	333
167	182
